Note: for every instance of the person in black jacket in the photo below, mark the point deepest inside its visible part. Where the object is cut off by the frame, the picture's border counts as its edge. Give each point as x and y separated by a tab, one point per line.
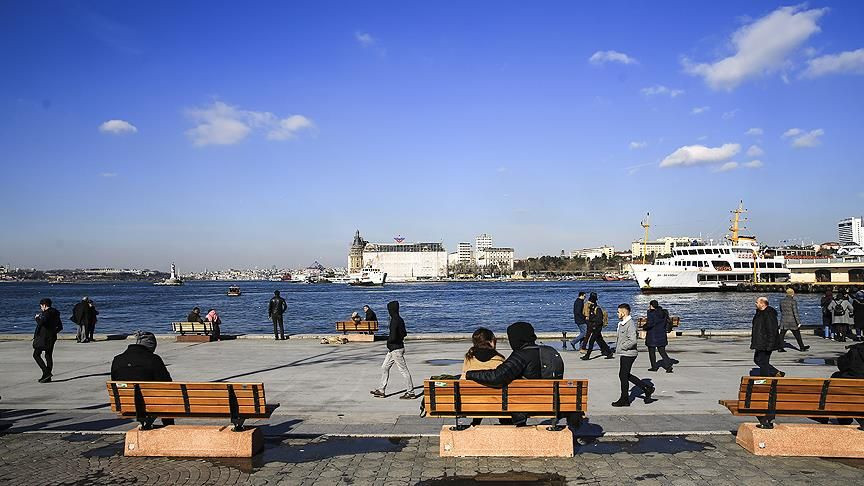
195	316
595	329
765	337
81	317
275	310
581	323
140	363
370	314
655	336
48	324
395	355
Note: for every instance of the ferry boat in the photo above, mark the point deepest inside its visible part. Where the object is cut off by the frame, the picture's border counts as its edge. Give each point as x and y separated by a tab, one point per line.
234	291
712	267
171	281
368	277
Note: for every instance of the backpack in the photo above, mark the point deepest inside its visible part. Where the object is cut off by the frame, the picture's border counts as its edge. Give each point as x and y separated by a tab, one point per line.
605	316
551	364
839	310
669	325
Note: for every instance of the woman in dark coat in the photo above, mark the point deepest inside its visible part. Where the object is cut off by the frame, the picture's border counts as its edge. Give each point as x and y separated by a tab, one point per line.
765	338
858	312
655	337
826	314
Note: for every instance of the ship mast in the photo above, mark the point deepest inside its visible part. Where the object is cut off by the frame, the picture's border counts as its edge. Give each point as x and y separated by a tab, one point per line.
736	220
646	223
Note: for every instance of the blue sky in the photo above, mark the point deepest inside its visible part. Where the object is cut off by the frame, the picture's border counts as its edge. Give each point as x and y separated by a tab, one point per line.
222	134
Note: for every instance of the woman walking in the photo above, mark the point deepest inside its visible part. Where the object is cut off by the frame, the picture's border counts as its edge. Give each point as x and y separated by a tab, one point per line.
655	337
790	321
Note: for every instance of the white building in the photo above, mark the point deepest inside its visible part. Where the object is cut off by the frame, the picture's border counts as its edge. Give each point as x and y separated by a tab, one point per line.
483	241
466	255
662	246
592	253
499	257
407	261
850	232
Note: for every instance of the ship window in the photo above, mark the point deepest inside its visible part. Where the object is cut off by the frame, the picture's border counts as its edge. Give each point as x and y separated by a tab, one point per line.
692	252
700	251
761	264
737	264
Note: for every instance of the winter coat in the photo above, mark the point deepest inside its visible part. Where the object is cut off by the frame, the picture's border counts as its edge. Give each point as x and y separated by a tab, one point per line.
595	316
789	318
396	337
858	311
625	343
578	308
277	306
48	324
826	314
84	314
846	318
851	364
655	328
765	335
523	362
371	316
194	317
138	363
483	359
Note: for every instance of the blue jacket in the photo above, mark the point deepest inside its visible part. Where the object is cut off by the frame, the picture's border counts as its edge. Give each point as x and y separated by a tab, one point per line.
655	328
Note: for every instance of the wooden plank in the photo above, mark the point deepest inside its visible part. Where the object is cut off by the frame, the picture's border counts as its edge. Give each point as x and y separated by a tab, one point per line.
130	401
830	407
191	385
468	409
807	397
839	382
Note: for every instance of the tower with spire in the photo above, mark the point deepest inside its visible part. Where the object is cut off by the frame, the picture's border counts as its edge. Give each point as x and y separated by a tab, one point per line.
355	254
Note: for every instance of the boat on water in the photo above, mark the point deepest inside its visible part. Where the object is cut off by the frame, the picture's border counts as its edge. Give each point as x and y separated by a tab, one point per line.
368	277
340	279
699	267
234	291
171	281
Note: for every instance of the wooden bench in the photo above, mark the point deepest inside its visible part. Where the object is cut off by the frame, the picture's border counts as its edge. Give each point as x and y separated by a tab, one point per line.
147	400
364	327
766	398
204	328
565	398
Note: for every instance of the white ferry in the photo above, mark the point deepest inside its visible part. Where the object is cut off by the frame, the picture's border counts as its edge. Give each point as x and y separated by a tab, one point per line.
712	267
368	277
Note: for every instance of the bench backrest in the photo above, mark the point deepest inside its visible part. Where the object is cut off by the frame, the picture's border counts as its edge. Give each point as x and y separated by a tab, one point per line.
186	399
205	327
362	326
539	398
676	321
801	396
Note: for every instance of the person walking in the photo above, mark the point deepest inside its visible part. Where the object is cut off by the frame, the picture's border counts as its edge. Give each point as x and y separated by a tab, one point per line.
216	322
765	337
395	355
597	319
790	321
370	314
841	314
80	318
655	336
858	313
275	310
626	348
48	324
826	314
581	323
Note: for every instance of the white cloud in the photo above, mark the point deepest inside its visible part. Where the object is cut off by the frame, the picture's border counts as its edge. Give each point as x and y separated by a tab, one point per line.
792	132
755	132
761	47
727	167
223	124
728	115
365	38
661	90
754	164
117	127
108	175
802	138
638	145
849	62
755	151
689	155
601	57
699	110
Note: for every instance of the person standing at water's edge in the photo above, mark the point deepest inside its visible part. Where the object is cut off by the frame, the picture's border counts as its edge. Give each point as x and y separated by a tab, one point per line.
81	314
790	321
275	310
858	312
581	323
655	336
626	349
48	324
841	314
395	355
765	337
826	314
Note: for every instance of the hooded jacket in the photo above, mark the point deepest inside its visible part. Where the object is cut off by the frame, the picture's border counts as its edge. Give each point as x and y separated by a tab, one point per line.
483	359
370	315
138	363
194	317
396	338
851	364
765	335
655	328
84	314
523	362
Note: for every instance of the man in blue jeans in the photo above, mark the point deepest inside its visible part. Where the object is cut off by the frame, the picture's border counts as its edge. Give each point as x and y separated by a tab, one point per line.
581	323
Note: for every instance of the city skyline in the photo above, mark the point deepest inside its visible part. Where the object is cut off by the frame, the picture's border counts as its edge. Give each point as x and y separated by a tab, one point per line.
221	135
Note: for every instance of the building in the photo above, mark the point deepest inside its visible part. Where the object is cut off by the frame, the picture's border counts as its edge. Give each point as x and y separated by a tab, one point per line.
466	254
592	253
850	232
355	253
407	261
662	246
502	258
483	241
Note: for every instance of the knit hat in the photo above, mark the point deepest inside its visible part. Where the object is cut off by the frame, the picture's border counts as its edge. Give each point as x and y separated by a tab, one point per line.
146	339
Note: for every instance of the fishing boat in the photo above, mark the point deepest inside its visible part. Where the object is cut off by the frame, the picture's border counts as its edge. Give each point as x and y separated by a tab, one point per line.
171	281
234	291
368	277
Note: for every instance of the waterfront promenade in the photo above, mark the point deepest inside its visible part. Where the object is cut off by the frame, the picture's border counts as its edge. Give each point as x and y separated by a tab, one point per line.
324	395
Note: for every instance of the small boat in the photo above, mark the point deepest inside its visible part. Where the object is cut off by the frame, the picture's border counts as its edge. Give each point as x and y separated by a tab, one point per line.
368	277
234	291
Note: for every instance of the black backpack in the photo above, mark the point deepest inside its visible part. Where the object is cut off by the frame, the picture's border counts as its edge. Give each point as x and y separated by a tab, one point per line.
669	324
551	364
839	310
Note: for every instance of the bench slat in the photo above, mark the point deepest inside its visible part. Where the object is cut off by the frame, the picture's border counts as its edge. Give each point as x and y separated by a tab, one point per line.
166	399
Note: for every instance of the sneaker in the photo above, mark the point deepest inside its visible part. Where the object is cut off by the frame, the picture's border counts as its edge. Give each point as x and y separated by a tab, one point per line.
408	396
610	356
46	379
377	393
621	403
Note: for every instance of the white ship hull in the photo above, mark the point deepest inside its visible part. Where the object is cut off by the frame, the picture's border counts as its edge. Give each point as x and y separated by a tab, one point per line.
664	278
368	278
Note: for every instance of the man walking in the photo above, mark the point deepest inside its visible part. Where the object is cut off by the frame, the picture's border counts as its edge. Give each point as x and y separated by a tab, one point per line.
275	310
765	337
625	347
48	324
581	323
596	321
395	355
790	321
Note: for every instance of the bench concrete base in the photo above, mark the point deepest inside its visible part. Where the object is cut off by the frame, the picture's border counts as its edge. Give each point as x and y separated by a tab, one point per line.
193	441
193	338
505	441
360	338
815	440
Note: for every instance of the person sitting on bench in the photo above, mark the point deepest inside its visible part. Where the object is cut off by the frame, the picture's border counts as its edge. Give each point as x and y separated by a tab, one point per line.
850	365
482	356
140	363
